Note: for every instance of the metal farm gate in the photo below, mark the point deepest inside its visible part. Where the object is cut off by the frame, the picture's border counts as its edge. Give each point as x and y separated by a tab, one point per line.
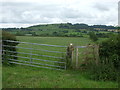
50	56
37	55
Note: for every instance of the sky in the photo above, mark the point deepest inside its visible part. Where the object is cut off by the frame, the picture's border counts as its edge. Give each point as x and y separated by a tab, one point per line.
24	13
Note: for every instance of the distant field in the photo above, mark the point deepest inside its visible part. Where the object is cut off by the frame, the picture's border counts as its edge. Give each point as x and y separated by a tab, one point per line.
56	40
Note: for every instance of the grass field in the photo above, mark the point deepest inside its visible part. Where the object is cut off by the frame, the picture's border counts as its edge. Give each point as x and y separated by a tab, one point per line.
31	77
55	40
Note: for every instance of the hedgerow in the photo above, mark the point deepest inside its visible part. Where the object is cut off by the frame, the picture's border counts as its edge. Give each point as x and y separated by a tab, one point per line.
8	49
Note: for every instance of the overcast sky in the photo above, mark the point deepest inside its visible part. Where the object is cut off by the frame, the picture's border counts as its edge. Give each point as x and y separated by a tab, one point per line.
23	13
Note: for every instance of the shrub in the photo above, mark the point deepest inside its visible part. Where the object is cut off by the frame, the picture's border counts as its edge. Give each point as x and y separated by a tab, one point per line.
6	54
102	72
109	63
109	51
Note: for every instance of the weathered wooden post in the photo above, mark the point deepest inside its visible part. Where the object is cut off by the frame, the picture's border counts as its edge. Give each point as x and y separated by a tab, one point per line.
70	55
76	57
94	52
97	54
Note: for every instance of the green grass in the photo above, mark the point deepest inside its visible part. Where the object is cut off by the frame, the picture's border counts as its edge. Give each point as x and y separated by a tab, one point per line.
28	77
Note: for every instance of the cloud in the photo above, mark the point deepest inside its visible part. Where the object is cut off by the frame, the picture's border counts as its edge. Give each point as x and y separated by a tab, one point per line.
29	12
101	7
119	13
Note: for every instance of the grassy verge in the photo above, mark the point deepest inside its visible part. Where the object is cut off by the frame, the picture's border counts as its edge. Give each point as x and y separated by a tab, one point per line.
29	77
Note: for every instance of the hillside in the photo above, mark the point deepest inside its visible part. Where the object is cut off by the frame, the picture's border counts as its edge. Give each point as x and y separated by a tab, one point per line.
63	29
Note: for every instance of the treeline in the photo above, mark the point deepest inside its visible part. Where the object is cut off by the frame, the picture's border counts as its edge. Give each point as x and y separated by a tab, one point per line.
85	26
65	33
66	26
52	34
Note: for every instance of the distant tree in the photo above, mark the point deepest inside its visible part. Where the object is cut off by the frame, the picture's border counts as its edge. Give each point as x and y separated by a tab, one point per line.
80	26
77	30
93	36
69	23
64	26
19	34
55	33
33	34
102	35
103	27
65	31
84	31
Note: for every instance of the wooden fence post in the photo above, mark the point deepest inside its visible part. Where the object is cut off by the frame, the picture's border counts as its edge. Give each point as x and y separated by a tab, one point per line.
94	52
97	54
70	53
76	57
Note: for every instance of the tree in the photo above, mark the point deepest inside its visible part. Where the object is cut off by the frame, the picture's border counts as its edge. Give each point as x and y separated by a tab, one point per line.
93	36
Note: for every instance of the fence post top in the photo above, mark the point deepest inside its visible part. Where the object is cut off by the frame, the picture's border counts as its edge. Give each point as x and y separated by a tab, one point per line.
71	44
